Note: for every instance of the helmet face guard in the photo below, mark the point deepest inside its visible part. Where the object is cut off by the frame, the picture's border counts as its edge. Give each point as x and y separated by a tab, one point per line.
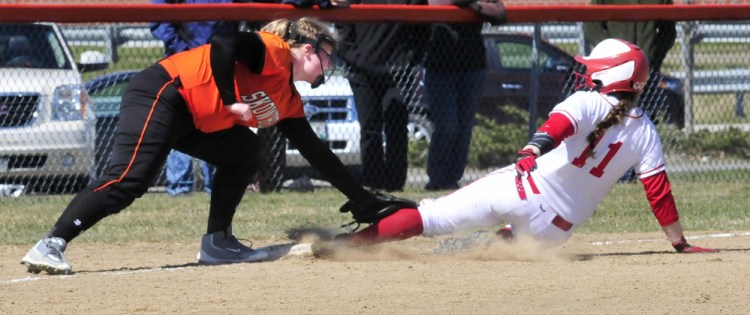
615	65
321	39
317	43
324	74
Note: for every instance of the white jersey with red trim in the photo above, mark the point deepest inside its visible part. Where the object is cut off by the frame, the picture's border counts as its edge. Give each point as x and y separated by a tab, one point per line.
574	184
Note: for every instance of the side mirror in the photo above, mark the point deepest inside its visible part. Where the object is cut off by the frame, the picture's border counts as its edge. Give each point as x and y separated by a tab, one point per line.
92	61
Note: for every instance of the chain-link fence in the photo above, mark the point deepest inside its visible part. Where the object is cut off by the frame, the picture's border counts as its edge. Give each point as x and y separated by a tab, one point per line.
60	89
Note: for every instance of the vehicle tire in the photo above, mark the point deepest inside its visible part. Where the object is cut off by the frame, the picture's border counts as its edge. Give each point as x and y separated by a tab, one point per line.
420	130
273	161
420	125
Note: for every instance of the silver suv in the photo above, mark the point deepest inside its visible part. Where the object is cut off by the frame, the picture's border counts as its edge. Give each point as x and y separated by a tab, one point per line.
46	120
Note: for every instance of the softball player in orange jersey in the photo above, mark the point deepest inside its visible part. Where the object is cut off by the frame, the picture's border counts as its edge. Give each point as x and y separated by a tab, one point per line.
202	102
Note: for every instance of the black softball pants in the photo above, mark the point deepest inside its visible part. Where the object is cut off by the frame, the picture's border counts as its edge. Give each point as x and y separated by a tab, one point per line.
154	119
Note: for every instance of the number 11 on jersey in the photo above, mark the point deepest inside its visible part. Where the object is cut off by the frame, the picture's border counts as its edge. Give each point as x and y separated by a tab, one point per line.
598	170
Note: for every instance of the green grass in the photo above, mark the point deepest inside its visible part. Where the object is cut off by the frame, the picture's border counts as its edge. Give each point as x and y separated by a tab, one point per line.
717	109
709	56
716	206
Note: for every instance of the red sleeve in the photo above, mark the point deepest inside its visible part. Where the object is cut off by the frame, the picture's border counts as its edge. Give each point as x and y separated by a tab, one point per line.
659	194
558	126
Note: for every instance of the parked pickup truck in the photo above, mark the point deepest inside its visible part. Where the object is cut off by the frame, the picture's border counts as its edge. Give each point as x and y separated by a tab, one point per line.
46	121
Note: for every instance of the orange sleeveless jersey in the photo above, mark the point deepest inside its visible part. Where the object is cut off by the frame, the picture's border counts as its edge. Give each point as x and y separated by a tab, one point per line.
271	94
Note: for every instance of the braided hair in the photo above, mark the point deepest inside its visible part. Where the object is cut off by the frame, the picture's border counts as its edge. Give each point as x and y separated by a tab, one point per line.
627	101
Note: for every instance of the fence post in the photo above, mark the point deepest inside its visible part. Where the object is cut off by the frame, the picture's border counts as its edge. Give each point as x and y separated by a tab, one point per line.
583	45
112	41
534	84
687	31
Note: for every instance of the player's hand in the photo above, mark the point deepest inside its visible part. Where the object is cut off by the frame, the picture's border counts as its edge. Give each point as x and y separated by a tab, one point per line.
683	247
526	162
242	110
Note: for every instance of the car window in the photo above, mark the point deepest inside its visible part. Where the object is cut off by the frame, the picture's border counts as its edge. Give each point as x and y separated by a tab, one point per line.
107	96
518	56
57	51
31	46
110	89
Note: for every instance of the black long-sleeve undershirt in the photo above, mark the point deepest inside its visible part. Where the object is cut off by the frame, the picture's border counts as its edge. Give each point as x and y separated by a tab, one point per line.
246	48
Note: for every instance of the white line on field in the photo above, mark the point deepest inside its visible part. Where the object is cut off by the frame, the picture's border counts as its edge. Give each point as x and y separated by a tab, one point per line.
117	273
718	235
277	251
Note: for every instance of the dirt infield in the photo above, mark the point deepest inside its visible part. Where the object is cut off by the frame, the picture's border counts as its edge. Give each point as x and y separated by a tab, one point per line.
603	274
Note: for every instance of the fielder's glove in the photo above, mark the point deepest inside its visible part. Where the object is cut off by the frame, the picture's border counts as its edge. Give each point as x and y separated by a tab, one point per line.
376	207
683	247
526	162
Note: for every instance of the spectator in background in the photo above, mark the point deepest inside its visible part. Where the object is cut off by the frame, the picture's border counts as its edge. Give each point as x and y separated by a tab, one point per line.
178	37
455	67
381	59
655	38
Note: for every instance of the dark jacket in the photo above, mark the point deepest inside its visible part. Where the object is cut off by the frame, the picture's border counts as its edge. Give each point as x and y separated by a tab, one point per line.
375	47
456	47
656	38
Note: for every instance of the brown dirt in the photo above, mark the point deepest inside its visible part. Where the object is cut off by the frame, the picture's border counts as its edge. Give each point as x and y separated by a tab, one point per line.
638	275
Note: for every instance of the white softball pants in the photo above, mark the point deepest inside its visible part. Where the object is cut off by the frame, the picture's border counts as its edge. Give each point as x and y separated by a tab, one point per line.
491	201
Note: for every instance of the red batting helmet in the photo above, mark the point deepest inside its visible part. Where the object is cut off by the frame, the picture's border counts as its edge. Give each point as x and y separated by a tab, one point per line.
617	65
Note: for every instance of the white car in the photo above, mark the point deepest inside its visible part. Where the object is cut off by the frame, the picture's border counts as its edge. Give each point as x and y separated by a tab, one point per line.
46	120
331	111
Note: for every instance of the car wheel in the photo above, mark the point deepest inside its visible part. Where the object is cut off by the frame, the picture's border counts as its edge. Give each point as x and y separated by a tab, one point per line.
420	129
420	126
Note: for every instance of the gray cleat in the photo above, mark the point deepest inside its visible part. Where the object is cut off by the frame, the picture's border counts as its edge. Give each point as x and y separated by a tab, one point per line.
47	255
221	247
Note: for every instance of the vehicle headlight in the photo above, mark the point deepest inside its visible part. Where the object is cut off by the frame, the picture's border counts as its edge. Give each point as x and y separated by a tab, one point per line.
69	102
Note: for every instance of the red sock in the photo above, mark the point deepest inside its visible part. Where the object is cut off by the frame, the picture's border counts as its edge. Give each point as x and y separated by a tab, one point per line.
403	224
